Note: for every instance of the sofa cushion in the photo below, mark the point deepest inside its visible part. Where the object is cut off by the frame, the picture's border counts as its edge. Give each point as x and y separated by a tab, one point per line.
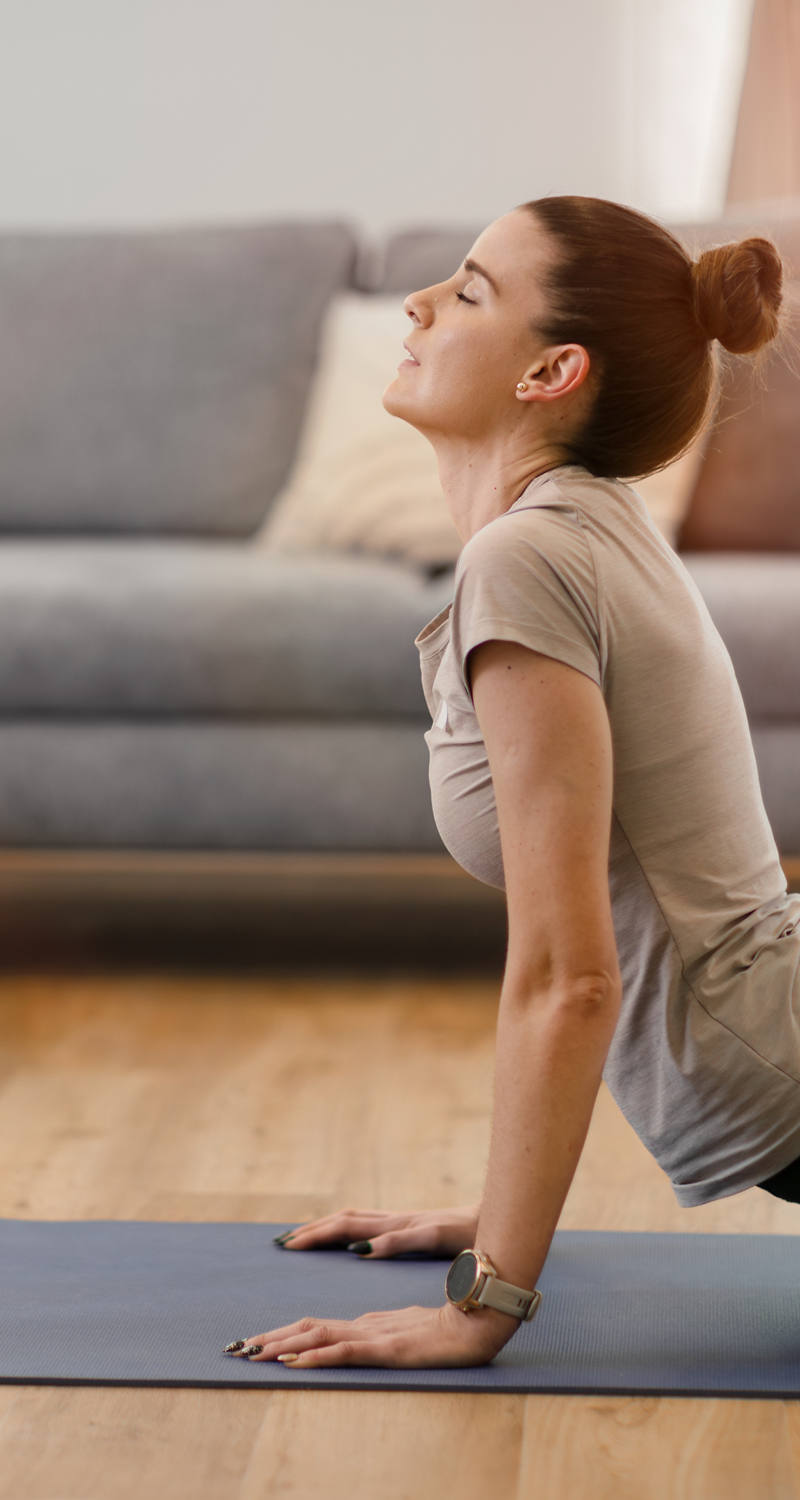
154	380
211	784
363	480
170	628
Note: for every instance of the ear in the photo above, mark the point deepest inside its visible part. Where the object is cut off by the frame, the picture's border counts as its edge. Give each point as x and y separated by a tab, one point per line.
556	373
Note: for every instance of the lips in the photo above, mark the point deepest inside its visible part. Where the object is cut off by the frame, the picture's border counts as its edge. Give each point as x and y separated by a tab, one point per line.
412	356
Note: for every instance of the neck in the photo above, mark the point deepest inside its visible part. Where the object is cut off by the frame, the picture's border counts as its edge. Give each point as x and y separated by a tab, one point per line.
479	487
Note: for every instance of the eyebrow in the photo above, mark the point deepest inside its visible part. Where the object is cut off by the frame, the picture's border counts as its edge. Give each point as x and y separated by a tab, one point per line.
472	265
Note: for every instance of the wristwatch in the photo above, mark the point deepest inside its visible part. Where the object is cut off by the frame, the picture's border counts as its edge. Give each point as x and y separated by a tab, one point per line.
472	1282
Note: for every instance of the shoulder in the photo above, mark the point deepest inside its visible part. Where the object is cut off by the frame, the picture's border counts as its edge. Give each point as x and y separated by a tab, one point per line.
527	538
526	563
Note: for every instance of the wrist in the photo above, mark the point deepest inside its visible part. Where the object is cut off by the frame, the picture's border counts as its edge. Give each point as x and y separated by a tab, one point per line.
492	1316
484	1328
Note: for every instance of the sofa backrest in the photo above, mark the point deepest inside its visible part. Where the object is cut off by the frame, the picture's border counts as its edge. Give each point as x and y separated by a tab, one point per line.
155	380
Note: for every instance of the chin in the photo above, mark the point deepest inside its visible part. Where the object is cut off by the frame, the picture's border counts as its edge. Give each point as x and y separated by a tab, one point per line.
392	401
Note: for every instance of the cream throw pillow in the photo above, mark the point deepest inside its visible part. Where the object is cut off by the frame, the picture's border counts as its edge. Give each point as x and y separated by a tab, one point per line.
365	481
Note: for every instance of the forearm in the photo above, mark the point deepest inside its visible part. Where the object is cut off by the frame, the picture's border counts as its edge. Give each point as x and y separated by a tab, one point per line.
548	1068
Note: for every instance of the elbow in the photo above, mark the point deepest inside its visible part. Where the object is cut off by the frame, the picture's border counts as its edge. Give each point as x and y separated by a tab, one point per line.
588	995
598	988
588	990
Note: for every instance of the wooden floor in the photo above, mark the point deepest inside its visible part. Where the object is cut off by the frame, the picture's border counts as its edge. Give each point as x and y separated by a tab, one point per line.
262	1096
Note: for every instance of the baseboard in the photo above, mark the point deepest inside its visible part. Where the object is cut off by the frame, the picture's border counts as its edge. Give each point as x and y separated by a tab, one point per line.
234	873
229	908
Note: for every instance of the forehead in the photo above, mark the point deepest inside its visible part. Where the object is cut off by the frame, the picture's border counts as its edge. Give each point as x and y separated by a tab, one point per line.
510	248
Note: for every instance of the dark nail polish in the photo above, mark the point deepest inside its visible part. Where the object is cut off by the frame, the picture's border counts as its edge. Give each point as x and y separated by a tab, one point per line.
254	1349
279	1238
234	1347
361	1247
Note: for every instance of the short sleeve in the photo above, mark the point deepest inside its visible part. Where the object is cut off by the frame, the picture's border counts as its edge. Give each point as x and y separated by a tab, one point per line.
529	576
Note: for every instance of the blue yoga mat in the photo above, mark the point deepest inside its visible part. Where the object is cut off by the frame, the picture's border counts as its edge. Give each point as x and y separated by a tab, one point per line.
130	1302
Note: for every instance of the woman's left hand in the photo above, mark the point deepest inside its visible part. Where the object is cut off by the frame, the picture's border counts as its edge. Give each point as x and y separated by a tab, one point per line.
410	1338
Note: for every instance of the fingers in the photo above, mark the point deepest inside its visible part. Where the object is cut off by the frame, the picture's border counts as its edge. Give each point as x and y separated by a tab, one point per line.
412	1337
346	1353
346	1227
310	1333
323	1346
291	1338
422	1238
434	1232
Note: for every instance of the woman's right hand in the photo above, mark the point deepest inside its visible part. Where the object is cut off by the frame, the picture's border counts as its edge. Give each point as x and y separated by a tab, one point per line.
439	1232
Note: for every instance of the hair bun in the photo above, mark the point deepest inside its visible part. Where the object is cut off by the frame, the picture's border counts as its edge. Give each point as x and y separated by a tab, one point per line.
737	292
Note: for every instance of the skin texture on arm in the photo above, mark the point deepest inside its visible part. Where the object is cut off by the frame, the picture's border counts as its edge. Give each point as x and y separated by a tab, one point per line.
548	742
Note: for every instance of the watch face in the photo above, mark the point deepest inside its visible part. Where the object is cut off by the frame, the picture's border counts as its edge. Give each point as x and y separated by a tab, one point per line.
462	1276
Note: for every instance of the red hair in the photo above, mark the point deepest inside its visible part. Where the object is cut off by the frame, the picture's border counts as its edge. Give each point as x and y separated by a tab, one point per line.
629	292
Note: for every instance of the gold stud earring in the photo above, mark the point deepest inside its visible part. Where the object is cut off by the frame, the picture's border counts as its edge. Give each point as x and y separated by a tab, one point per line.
522	385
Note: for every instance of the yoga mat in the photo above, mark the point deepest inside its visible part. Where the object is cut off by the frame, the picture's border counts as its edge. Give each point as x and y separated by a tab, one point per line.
129	1302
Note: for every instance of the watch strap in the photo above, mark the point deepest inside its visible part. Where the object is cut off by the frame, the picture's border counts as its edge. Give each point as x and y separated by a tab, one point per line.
509	1299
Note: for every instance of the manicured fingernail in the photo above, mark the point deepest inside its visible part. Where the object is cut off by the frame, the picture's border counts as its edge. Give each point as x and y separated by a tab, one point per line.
287	1359
254	1349
280	1239
234	1347
361	1247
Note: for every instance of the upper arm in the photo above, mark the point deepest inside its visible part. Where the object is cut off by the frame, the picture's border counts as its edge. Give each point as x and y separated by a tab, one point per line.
548	742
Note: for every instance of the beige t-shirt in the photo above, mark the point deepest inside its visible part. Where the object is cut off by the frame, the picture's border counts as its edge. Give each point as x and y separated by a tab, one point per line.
705	1059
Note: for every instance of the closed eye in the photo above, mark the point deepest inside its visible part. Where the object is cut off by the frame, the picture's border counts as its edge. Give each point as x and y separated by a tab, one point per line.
462	298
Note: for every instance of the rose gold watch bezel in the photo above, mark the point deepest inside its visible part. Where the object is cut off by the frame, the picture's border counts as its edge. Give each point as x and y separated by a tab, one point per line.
470	1303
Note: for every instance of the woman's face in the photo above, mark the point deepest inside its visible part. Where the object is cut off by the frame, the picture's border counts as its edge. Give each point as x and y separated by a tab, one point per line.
472	338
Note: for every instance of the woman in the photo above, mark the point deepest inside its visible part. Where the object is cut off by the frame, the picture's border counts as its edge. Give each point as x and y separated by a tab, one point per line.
589	752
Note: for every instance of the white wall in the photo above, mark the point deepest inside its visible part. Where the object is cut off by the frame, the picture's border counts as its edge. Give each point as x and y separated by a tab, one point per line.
384	112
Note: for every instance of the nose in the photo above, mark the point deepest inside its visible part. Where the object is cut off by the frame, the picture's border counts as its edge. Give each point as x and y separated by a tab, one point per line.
415	306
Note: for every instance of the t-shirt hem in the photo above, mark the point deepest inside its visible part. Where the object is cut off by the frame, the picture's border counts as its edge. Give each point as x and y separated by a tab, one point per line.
692	1194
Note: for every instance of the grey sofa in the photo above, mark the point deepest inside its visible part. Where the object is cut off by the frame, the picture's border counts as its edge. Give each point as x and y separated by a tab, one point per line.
163	684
